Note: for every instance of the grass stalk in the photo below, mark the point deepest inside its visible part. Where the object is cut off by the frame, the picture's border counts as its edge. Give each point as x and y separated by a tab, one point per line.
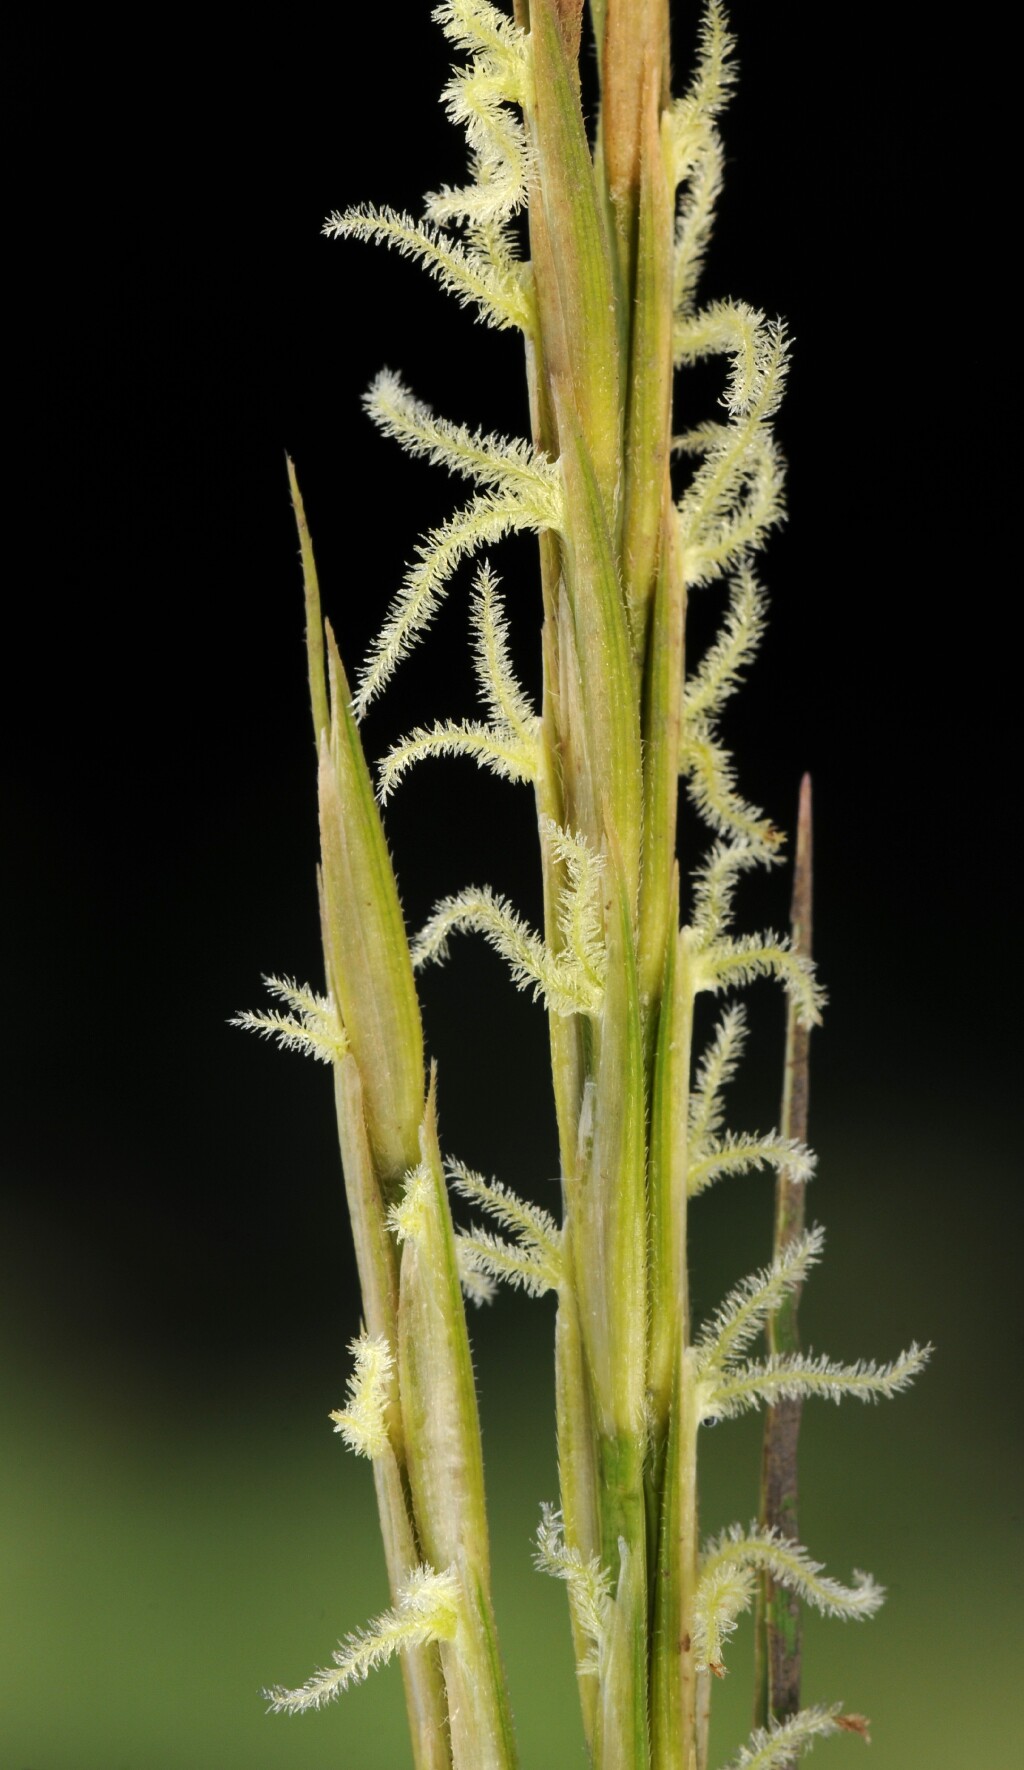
639	922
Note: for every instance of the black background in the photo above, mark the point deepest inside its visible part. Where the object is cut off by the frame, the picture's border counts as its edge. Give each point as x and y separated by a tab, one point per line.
179	323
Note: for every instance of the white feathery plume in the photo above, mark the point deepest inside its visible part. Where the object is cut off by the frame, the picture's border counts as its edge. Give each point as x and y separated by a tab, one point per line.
717	1067
427	1610
746	1309
362	1421
313	1027
570	981
509	744
533	1262
795	1376
728	1572
500	292
589	1584
779	1746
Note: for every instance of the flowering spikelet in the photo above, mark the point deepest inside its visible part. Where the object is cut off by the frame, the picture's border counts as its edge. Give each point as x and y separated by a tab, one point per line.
362	1422
533	1261
738	1152
570	981
779	1746
477	98
794	1376
409	1216
508	744
715	1071
498	289
745	1310
427	1610
704	761
697	153
725	1589
712	1153
522	492
723	961
313	1027
590	1594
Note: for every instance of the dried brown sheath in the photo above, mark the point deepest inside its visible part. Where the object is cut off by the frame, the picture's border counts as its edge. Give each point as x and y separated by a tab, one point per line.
777	1672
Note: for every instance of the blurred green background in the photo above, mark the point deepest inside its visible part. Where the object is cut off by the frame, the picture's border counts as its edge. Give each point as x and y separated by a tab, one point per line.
178	1525
178	1532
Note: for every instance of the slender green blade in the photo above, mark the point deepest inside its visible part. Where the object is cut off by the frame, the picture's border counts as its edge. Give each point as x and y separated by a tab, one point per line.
370	969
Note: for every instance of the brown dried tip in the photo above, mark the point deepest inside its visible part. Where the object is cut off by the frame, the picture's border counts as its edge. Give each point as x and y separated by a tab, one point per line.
570	20
858	1724
801	906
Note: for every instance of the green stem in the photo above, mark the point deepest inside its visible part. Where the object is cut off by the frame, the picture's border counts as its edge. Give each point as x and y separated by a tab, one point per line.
672	1475
667	1187
445	1458
623	1732
663	693
425	1697
577	1464
693	1742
